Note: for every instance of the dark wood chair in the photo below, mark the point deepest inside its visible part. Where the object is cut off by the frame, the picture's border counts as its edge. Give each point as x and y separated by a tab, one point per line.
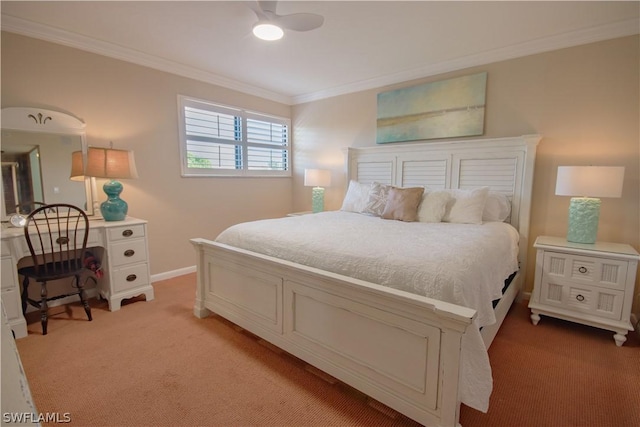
57	237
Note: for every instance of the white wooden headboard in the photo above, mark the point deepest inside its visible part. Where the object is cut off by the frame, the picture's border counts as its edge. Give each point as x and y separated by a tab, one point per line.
503	164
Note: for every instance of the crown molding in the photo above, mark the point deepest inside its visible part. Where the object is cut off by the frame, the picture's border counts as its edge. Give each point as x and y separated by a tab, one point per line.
574	38
67	38
568	39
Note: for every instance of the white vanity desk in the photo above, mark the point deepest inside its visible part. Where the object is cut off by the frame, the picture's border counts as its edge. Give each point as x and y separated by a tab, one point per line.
124	258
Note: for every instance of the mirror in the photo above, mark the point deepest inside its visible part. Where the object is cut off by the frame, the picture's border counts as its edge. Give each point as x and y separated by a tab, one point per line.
37	147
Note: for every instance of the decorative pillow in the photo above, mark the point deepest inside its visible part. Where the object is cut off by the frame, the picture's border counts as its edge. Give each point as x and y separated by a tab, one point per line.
466	206
402	203
497	207
356	198
433	206
377	199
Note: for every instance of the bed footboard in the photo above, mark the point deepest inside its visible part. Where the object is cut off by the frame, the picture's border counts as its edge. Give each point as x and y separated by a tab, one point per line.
398	348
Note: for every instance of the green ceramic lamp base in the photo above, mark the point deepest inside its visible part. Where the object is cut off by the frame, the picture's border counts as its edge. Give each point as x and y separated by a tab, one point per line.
114	208
317	199
584	214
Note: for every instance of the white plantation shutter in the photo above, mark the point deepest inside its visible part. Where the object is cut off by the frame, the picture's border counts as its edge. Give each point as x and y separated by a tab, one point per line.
222	140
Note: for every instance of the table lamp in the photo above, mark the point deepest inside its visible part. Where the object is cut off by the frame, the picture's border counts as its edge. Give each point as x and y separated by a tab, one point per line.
112	164
588	182
317	178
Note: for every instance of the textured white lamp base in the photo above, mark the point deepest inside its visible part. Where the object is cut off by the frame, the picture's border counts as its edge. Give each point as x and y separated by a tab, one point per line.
584	214
317	199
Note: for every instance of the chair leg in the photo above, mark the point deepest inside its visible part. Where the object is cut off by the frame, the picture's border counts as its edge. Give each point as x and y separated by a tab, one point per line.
83	298
25	294
44	308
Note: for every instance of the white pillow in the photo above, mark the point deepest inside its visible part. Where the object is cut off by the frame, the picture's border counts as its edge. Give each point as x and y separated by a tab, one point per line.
497	207
356	198
377	199
433	206
466	206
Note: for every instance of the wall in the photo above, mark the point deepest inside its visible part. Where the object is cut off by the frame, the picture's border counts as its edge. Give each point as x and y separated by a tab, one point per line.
583	100
136	108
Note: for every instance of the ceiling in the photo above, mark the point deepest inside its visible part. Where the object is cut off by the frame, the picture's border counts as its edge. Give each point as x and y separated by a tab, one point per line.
361	45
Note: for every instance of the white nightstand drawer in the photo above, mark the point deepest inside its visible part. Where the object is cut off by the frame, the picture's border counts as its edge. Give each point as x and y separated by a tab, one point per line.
128	252
130	277
601	302
595	271
128	232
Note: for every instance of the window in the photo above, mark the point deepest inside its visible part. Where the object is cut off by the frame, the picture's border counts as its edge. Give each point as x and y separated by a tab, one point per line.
221	140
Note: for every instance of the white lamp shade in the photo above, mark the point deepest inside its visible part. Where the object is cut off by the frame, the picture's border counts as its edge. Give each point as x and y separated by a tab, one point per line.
590	181
110	163
317	178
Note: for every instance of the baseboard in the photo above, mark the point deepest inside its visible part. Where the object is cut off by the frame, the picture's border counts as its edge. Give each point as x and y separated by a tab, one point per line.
523	296
173	273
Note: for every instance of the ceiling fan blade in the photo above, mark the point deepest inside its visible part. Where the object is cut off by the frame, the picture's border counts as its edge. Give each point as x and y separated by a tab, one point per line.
300	21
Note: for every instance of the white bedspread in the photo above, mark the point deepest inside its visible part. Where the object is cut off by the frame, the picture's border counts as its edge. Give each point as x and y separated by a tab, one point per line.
464	264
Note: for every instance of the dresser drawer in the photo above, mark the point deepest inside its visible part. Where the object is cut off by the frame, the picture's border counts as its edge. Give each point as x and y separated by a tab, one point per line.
571	296
124	233
585	270
130	277
128	252
92	240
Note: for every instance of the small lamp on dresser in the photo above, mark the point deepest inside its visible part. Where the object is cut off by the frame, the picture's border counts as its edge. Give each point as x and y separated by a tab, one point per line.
589	183
318	179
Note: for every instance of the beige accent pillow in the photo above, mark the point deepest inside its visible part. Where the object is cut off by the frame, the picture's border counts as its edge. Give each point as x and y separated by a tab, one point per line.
402	203
433	206
466	206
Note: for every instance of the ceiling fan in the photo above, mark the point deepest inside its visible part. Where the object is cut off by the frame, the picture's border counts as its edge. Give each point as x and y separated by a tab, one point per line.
271	26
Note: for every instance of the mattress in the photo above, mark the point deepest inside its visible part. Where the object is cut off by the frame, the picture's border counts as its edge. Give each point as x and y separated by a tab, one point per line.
464	264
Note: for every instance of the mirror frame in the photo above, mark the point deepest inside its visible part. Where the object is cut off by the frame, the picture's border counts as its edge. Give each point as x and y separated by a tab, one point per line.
49	121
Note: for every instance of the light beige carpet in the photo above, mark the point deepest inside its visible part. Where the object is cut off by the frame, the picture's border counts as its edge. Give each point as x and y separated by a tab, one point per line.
155	364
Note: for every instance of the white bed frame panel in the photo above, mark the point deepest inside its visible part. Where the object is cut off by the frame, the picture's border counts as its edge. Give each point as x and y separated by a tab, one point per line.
399	348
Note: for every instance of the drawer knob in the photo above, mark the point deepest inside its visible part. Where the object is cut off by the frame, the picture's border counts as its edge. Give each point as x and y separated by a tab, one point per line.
580	297
582	270
127	233
62	240
129	252
131	277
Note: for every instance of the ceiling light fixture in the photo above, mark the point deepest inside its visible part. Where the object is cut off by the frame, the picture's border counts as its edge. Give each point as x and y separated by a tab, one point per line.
267	31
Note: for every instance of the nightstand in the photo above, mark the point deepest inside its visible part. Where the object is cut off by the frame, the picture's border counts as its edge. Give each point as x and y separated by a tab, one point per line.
590	284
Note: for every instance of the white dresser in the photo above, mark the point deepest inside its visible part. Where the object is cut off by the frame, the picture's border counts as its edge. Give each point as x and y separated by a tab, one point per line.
124	258
590	284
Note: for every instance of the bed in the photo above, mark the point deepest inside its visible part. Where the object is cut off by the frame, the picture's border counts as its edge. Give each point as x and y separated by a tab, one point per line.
419	349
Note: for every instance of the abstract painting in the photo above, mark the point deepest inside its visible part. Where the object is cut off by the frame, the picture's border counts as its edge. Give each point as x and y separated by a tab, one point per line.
444	109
